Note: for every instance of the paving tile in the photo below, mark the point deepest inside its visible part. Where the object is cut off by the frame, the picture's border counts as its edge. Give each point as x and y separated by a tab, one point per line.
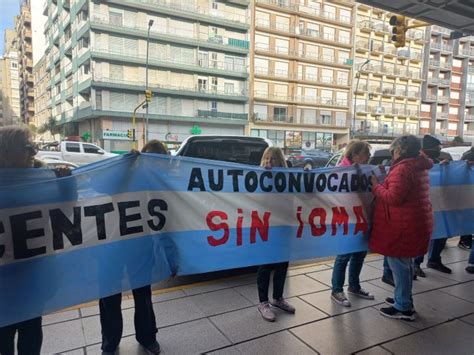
80	351
176	311
370	324
331	336
468	319
240	281
216	302
458	272
294	286
128	346
231	350
376	350
247	323
464	291
306	270
160	297
63	336
60	317
454	254
445	303
206	288
90	311
378	264
367	273
443	339
322	300
278	343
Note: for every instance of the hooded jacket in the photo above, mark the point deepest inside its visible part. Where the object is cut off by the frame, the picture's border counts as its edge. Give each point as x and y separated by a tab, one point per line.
403	216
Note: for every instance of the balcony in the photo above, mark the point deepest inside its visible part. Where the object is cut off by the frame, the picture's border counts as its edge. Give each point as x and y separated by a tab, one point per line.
447	48
191	90
366	26
275	73
444	82
441	131
219	114
362	46
443	99
431	97
413	94
400	93
416	56
434	63
436	45
469	118
68	91
388	91
375	89
446	65
439	29
180	63
362	88
442	116
469	100
390	51
172	34
362	109
412	112
399	111
433	81
381	28
377	48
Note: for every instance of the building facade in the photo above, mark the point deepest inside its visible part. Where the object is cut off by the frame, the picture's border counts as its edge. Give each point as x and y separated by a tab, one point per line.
387	80
197	67
25	59
42	87
301	68
448	92
10	88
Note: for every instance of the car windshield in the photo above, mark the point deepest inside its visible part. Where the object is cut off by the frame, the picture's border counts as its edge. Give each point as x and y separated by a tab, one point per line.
230	150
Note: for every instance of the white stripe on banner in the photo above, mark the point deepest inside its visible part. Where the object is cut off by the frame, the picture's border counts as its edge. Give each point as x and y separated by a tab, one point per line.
450	198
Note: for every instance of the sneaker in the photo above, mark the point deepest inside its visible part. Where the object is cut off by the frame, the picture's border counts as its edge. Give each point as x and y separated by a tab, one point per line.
153	348
283	305
340	298
390	301
388	280
465	246
266	312
470	269
362	294
392	312
419	272
439	266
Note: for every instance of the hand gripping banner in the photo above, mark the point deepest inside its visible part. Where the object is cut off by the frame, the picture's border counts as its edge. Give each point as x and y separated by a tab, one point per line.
134	220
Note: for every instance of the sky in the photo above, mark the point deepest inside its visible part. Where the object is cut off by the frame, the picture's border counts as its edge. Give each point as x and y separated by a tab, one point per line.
8	10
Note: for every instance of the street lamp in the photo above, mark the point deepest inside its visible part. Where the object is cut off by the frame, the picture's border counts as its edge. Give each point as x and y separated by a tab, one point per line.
355	96
150	23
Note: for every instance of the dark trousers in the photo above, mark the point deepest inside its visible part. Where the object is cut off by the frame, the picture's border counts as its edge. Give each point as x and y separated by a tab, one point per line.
112	323
263	280
30	337
434	252
466	239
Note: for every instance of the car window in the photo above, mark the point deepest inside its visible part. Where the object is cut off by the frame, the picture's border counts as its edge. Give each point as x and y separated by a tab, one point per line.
333	161
92	149
232	150
73	147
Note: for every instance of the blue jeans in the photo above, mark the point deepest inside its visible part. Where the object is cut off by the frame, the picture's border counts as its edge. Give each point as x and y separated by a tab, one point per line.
434	252
339	271
402	269
387	273
471	257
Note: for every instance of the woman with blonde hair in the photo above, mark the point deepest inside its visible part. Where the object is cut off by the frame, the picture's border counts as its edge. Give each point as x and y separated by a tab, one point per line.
357	152
272	157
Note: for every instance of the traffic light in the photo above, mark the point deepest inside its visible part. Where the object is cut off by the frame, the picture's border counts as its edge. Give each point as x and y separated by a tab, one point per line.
131	134
148	95
398	30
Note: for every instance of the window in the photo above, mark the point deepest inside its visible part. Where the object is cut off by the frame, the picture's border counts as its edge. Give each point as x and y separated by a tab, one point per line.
213	105
98	99
456	79
260	112
309	116
453	110
454	95
277	137
115	18
91	149
341	118
325	117
73	147
279	114
214	5
328	33
14	65
214	83
202	84
229	88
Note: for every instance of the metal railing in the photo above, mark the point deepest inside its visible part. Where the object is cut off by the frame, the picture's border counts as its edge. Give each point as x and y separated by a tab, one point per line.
220	114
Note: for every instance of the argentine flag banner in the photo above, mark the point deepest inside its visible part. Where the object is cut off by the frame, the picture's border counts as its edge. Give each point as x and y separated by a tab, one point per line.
137	219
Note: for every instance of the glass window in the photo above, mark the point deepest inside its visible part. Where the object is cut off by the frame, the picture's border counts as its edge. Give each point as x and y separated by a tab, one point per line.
92	149
279	114
73	147
325	117
115	18
341	118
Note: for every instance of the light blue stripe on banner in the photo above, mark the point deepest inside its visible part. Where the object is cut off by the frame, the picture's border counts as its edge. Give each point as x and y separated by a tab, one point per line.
453	223
452	174
43	285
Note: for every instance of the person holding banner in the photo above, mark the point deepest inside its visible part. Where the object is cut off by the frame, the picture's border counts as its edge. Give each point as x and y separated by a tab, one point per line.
272	157
110	307
357	152
17	150
403	220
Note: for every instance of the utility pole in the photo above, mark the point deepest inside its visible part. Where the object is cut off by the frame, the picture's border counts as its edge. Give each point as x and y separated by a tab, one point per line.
150	23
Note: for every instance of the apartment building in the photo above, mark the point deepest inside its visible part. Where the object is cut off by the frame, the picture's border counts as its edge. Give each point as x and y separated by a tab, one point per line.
42	87
448	93
387	80
25	59
10	88
301	68
197	67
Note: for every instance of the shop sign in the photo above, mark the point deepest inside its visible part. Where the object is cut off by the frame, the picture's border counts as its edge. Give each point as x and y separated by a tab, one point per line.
115	135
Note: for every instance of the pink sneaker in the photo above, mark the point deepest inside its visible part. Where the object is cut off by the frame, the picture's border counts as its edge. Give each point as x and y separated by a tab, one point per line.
266	312
283	305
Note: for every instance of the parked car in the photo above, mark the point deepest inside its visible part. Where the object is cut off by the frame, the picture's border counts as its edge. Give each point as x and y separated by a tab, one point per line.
235	149
79	153
309	159
456	152
56	163
380	154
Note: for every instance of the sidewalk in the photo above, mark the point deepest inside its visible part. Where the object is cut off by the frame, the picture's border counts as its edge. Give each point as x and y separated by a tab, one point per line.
221	317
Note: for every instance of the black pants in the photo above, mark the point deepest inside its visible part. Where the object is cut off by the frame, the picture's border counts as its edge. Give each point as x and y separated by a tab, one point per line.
263	280
112	323
466	239
30	337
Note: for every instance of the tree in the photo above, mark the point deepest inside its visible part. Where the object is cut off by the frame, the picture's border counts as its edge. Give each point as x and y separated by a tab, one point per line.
50	126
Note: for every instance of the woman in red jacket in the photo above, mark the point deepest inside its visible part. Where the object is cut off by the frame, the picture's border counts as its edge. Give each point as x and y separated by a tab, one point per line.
403	220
